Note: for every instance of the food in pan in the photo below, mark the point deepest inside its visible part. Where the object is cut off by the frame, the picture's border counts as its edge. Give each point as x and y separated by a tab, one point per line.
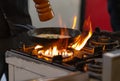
52	36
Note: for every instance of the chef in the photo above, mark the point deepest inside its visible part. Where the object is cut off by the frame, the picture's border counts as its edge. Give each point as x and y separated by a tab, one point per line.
14	18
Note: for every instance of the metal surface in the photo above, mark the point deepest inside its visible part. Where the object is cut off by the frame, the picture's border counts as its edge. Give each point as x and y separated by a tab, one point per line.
111	66
23	68
51	30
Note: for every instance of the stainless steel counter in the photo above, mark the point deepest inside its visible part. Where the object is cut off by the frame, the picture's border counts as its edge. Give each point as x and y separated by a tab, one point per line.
23	69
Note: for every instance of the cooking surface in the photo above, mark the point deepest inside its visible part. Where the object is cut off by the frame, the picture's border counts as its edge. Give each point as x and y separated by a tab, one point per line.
88	58
17	41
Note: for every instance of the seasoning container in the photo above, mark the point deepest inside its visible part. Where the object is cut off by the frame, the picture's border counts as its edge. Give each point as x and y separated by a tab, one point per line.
44	10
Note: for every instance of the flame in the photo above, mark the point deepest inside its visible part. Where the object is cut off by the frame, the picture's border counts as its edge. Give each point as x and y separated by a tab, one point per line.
51	51
74	22
82	39
61	24
60	47
60	20
38	47
62	43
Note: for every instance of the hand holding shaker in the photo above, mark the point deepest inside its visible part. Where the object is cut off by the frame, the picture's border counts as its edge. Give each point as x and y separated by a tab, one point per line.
44	10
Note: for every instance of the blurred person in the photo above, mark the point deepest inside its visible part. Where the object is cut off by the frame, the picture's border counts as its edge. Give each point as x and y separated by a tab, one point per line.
14	18
114	12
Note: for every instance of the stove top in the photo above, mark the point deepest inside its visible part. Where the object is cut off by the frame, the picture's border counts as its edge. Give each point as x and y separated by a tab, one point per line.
89	58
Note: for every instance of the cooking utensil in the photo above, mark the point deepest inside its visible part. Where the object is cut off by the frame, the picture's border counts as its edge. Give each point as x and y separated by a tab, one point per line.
34	34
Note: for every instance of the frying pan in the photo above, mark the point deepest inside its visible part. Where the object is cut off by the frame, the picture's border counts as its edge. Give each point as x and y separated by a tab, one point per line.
34	34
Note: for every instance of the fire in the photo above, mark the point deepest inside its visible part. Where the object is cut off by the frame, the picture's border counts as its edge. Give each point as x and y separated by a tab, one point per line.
51	52
73	25
61	22
38	47
74	22
61	46
82	39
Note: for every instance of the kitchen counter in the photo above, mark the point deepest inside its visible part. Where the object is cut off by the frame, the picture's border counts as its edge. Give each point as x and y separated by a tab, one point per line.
73	77
25	69
17	42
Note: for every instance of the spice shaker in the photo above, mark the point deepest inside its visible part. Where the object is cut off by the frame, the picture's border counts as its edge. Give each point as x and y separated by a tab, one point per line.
44	10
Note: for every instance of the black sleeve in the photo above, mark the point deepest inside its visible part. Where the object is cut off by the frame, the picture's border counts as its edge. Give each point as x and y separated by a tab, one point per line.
114	12
16	11
4	27
16	15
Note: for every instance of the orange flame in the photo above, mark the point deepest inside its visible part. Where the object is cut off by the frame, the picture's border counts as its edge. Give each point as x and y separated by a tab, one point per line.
57	47
82	39
64	32
38	47
74	22
51	51
60	21
60	47
61	24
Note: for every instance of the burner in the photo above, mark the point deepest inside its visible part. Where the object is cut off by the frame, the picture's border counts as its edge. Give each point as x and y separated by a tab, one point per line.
106	41
49	54
103	40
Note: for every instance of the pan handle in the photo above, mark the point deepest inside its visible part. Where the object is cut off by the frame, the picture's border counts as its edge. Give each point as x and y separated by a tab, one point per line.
28	27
